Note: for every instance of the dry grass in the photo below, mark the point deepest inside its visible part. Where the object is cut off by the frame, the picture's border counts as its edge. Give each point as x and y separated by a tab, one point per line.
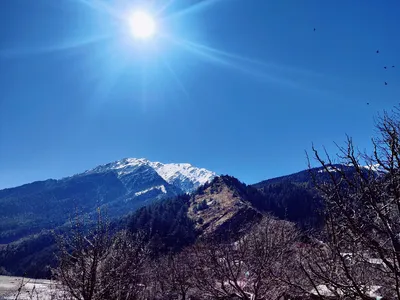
222	204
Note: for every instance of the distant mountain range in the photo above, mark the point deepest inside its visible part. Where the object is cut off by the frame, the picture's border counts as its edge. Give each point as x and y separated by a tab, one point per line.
121	186
175	203
130	171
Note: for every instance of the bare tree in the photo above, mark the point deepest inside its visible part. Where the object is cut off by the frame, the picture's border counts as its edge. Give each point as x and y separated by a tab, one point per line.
362	199
93	265
272	247
218	269
250	267
81	257
172	276
125	268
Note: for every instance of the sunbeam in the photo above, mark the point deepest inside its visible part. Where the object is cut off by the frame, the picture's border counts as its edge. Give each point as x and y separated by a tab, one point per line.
202	4
201	52
102	7
251	60
236	62
109	79
176	78
14	53
163	8
213	56
143	88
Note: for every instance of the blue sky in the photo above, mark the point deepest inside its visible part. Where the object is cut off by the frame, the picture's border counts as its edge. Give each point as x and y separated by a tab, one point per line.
241	87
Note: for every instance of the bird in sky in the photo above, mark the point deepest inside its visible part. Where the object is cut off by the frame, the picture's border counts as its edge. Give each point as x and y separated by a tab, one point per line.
384	67
377	51
392	66
386	83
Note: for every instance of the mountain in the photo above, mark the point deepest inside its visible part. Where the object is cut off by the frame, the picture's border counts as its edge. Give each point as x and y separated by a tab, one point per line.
305	177
223	205
220	206
226	207
182	176
294	198
121	186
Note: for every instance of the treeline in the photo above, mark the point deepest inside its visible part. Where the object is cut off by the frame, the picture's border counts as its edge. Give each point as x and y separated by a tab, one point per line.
291	201
166	225
32	256
271	261
95	264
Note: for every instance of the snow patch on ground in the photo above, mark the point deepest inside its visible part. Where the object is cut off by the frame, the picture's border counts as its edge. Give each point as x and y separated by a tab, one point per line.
9	286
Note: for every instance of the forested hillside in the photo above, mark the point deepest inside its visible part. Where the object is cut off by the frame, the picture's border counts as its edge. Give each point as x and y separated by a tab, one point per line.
220	206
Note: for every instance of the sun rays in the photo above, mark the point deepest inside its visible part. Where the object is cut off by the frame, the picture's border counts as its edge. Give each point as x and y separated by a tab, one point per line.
60	47
176	78
192	9
141	22
102	7
269	72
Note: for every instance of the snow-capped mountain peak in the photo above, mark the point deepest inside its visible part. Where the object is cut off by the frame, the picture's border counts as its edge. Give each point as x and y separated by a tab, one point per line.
181	175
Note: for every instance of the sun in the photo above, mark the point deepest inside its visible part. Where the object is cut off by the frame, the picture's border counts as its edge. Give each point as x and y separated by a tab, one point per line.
142	25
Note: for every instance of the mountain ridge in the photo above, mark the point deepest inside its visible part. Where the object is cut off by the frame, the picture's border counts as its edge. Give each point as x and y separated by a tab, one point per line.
182	175
133	190
222	205
122	186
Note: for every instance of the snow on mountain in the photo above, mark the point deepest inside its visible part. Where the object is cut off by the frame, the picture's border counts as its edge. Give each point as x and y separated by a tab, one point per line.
160	187
329	169
121	167
372	167
182	175
375	168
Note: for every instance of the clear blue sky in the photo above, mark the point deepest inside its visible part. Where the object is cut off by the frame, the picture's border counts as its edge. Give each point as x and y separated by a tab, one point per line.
240	87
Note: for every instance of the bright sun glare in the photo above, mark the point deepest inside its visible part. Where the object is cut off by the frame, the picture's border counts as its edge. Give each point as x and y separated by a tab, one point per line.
142	25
